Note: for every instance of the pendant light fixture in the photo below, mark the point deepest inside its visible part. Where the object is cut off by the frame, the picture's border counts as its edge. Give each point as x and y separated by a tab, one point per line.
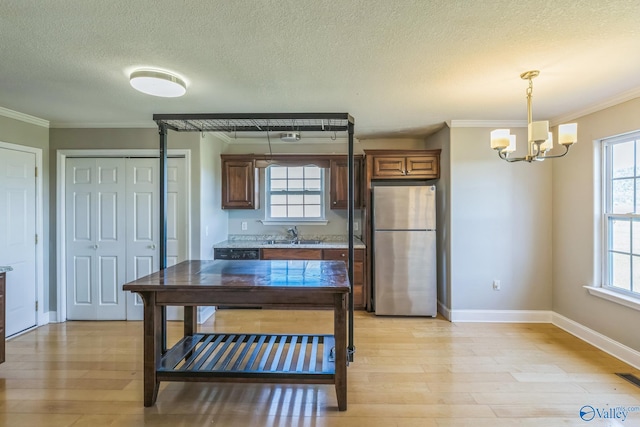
158	83
540	140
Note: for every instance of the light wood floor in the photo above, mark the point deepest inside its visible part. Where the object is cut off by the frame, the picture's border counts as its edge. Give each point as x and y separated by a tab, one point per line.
407	372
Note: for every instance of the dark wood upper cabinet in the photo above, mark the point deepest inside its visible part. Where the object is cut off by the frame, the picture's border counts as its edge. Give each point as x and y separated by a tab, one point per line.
339	195
384	167
239	183
404	164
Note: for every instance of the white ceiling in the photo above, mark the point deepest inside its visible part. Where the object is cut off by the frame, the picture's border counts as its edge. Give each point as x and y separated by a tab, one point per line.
398	67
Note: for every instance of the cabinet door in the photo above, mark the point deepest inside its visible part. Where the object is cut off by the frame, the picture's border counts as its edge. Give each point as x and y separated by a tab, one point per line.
239	183
384	167
358	271
339	197
422	167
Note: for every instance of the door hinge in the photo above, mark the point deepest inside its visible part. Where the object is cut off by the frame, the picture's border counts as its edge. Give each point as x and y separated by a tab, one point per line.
36	171
36	305
36	239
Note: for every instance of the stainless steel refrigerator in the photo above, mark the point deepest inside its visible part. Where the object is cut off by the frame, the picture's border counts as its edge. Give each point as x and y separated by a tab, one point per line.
404	248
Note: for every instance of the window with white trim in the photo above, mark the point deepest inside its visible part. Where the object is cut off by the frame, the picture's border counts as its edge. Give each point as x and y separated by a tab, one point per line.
621	212
295	193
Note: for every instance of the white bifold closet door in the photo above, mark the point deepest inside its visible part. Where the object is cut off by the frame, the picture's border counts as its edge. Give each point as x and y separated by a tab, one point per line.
143	220
112	225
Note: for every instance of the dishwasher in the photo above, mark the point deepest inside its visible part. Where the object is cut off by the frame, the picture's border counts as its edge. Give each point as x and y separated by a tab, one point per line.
236	253
242	254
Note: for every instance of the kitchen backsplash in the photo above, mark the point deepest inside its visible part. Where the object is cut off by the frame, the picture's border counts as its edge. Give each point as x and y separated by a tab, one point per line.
263	237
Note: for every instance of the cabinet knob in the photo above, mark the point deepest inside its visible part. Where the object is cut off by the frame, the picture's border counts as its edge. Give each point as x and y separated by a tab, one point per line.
335	203
342	255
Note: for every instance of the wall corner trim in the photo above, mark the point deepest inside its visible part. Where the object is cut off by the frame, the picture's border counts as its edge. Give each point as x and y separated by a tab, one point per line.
596	339
444	311
23	117
488	124
501	316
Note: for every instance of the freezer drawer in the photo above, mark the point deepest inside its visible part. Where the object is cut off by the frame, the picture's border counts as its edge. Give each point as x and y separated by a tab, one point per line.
405	273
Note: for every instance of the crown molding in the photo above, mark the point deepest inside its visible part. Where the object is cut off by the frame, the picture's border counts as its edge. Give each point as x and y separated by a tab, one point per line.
5	112
487	124
610	102
71	125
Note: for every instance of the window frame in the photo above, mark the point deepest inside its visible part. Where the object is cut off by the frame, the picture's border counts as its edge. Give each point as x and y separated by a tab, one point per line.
295	220
608	179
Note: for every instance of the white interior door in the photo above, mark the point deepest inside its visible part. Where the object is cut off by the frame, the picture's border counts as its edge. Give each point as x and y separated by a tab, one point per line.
95	241
143	222
18	237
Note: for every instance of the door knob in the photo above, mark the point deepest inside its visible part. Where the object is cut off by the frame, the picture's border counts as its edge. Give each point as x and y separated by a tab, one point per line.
94	247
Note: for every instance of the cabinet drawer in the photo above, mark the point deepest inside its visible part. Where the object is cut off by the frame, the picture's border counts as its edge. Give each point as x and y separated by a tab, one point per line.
342	254
284	254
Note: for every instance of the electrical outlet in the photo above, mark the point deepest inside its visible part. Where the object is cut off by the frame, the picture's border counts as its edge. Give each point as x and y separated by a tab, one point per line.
244	225
356	226
496	285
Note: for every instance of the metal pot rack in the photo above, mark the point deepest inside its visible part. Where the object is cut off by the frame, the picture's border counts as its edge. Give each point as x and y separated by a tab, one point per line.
257	122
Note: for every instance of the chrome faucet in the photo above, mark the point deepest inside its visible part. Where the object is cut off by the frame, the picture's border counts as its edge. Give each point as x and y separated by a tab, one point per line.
293	233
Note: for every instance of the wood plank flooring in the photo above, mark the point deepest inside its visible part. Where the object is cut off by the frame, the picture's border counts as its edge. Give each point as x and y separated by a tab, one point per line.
407	372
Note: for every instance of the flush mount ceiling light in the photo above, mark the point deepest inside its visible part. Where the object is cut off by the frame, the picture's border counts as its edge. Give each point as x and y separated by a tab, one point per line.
158	83
540	139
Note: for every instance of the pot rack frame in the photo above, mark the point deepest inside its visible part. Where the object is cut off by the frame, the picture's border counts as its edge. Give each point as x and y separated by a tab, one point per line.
257	122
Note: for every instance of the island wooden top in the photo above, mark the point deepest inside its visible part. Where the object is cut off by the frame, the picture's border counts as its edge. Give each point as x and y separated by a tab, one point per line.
319	276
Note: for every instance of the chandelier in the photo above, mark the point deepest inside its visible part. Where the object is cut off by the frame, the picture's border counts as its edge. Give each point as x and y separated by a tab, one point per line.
540	140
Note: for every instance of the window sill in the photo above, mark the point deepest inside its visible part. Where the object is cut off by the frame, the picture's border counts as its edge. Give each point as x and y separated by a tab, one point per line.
613	296
294	222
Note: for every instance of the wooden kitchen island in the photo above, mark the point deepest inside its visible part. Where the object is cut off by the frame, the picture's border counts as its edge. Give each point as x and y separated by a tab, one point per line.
246	357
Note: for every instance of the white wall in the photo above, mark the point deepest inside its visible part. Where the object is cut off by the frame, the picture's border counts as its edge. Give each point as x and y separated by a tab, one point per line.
214	221
576	222
441	140
500	226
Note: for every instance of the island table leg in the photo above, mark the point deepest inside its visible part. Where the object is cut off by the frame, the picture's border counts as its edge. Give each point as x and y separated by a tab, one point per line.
152	346
340	333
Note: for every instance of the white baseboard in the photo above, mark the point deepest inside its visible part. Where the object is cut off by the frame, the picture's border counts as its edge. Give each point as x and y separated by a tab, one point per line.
444	311
49	317
604	343
204	313
501	316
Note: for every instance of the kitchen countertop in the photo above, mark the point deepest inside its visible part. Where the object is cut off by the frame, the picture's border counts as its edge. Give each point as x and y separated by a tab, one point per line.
259	244
5	268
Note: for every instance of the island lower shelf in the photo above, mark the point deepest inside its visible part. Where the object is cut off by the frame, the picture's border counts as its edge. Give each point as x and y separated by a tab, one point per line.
250	358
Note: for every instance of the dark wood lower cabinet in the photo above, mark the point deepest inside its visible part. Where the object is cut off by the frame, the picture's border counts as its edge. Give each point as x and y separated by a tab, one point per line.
328	255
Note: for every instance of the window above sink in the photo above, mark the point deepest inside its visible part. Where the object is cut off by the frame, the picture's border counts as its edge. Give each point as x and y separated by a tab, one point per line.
295	194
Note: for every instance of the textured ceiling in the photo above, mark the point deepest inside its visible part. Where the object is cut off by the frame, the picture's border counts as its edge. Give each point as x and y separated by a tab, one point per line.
398	67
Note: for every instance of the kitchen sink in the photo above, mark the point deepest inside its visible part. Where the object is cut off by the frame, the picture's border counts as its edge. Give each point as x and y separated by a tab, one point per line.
293	242
278	242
